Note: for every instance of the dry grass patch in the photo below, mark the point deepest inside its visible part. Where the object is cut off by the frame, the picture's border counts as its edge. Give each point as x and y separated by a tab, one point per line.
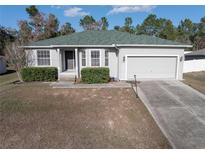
195	80
37	116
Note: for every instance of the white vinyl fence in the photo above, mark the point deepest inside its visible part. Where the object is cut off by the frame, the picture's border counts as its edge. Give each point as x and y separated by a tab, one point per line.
194	65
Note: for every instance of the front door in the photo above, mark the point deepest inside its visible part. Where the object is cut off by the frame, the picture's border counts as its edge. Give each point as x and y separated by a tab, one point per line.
70	60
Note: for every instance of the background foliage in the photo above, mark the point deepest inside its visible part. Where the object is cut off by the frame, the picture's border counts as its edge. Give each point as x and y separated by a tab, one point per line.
42	26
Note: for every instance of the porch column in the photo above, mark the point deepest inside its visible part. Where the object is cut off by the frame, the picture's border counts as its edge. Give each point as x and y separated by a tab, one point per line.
59	61
76	62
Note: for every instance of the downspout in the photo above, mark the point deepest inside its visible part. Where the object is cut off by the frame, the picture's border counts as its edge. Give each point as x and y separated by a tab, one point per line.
118	61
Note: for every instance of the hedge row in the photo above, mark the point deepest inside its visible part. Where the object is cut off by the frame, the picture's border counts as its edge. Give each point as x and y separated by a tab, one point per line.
95	75
39	74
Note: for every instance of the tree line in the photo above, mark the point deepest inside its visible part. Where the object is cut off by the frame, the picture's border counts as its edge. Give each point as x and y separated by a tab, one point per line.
186	32
41	26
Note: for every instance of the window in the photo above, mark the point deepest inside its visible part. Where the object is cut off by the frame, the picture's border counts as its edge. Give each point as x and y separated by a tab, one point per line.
43	57
83	58
95	58
106	58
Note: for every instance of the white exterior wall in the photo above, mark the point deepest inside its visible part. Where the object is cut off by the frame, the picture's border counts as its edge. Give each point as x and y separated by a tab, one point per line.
31	57
112	60
150	52
194	65
2	65
57	58
54	58
113	63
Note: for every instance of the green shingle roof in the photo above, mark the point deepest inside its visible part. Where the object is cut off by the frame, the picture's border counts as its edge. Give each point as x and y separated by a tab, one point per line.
103	38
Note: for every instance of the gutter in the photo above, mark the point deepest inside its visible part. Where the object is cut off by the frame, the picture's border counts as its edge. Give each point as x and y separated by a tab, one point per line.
154	45
35	47
63	46
113	45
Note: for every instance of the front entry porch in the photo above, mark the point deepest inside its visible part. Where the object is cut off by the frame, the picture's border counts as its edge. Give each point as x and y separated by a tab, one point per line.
69	64
69	61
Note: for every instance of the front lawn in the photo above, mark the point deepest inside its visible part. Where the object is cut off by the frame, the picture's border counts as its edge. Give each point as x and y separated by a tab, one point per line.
195	80
34	115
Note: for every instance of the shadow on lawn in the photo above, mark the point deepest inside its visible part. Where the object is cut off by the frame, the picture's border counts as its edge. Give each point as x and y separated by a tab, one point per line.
9	77
8	72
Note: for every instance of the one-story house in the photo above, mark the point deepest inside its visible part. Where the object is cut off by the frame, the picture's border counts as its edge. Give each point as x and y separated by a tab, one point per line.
123	53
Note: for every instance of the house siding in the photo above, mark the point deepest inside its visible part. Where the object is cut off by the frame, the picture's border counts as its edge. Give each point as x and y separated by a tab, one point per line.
113	63
54	58
112	58
57	56
31	57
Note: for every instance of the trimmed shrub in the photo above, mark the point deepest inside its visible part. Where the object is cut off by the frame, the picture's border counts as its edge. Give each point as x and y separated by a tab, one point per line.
95	75
39	74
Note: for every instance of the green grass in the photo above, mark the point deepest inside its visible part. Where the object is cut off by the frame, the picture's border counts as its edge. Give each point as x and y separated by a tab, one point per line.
8	77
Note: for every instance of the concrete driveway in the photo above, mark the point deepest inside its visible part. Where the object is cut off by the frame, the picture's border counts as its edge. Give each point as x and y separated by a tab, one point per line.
178	109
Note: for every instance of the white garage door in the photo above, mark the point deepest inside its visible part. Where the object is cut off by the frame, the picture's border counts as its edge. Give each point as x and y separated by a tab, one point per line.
152	67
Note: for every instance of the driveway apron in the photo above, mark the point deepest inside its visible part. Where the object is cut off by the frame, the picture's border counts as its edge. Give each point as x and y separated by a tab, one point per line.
178	109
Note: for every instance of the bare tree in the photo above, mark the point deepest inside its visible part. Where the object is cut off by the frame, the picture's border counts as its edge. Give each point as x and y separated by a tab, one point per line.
16	57
51	26
199	43
97	25
25	31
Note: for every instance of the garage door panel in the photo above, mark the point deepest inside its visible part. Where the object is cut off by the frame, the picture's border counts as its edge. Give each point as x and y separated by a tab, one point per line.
151	67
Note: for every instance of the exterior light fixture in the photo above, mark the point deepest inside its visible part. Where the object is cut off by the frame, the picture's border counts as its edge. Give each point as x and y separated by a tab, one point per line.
181	58
123	58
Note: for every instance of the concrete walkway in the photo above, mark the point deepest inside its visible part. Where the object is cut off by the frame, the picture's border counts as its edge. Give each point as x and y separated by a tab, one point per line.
178	109
66	84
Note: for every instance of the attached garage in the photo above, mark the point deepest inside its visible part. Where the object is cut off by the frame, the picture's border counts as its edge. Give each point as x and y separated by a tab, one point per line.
151	67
